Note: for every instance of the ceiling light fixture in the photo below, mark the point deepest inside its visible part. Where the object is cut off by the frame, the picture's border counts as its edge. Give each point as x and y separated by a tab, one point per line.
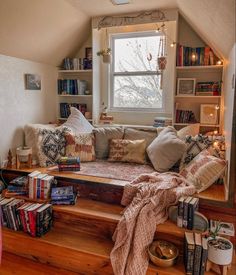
120	2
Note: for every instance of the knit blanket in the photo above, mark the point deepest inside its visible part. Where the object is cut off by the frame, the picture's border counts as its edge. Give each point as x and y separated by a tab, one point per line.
147	198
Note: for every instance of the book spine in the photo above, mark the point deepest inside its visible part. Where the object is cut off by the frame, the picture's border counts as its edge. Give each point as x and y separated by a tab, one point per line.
23	221
180	213
190	216
185	215
203	262
42	189
197	260
62	197
38	188
190	260
31	193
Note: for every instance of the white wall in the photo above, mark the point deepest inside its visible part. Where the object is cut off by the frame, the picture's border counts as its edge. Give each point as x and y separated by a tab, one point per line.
229	100
19	106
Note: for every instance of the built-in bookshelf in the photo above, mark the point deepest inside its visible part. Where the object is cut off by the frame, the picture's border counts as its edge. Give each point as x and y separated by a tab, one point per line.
70	94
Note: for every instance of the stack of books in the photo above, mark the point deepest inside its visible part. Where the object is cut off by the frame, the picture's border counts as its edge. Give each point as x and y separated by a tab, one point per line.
195	253
72	86
162	122
68	164
200	56
32	218
63	195
186	210
208	88
184	116
65	108
77	64
18	186
40	185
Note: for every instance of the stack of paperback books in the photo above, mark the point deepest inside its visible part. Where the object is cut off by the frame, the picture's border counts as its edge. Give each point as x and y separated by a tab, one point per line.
69	164
162	122
32	218
40	185
186	210
195	253
18	186
63	195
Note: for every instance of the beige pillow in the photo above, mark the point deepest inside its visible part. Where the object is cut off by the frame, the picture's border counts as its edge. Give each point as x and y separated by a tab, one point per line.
102	137
204	170
127	150
80	145
190	130
166	149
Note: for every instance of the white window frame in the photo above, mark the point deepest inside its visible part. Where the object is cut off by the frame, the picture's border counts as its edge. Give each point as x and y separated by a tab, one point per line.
113	37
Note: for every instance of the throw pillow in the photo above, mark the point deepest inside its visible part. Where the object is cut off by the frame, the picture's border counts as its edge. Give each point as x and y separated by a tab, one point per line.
81	145
204	170
166	149
51	145
194	146
127	150
147	135
102	137
190	130
77	122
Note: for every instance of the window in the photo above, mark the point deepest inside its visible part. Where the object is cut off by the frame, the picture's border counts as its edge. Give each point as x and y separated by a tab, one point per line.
135	82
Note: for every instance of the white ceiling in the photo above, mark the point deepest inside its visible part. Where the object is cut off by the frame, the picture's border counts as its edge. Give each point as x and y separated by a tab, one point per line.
49	30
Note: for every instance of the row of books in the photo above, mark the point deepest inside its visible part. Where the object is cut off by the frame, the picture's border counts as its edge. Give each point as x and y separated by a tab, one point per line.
186	210
200	56
71	86
65	108
184	116
40	185
68	164
32	218
208	88
195	253
63	195
162	122
77	64
18	186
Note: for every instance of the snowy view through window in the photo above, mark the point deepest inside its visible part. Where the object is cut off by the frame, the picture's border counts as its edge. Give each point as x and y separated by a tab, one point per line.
136	83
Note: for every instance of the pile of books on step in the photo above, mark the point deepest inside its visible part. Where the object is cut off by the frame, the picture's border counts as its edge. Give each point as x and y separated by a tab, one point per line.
186	210
32	218
63	195
18	186
40	185
195	253
68	164
162	122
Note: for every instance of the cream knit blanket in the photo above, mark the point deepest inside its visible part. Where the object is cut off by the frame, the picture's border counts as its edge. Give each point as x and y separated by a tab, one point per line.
147	199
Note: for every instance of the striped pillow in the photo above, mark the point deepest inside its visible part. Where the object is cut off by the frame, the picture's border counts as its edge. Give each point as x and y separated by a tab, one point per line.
204	170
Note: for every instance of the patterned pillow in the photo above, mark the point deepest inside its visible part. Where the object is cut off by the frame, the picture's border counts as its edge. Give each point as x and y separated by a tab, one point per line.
204	170
51	145
80	145
194	146
125	150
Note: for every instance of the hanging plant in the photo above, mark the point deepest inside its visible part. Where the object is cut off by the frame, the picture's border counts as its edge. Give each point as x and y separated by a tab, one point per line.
161	57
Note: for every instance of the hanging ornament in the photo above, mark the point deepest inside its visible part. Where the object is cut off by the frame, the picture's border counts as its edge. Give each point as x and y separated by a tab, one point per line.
149	57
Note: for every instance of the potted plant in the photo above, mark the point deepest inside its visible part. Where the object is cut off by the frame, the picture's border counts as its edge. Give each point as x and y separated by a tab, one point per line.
106	55
220	250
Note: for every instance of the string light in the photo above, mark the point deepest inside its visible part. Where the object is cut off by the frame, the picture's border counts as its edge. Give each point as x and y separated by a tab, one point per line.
161	29
219	62
217	107
215	132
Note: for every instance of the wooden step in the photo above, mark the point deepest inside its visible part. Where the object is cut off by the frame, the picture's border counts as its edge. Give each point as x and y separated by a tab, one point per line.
76	252
16	265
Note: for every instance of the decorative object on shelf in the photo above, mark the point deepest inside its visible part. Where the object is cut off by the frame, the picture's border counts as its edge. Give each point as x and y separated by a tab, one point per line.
209	114
88	115
88	53
186	86
210	88
142	17
220	250
87	92
32	82
9	159
23	156
163	253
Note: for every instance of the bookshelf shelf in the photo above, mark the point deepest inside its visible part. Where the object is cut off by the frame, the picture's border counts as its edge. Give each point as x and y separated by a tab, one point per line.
75	71
198	96
75	95
210	67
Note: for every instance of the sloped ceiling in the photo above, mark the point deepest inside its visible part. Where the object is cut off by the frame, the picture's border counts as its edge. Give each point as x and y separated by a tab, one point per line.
48	30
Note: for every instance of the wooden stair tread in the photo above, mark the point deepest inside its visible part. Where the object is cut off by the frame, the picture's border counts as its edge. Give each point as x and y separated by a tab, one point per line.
76	241
16	265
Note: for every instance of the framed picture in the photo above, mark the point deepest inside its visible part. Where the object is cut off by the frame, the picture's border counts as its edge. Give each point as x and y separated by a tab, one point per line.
32	82
88	53
186	86
209	114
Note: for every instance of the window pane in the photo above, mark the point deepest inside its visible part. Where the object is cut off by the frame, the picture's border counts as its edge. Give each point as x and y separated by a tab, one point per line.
137	91
132	54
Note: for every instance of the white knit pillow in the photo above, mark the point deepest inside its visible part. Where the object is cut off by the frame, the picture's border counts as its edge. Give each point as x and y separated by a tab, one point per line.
78	123
204	170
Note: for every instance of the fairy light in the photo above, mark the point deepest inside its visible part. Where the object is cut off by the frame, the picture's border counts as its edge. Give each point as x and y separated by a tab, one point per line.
215	132
193	56
219	62
217	107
